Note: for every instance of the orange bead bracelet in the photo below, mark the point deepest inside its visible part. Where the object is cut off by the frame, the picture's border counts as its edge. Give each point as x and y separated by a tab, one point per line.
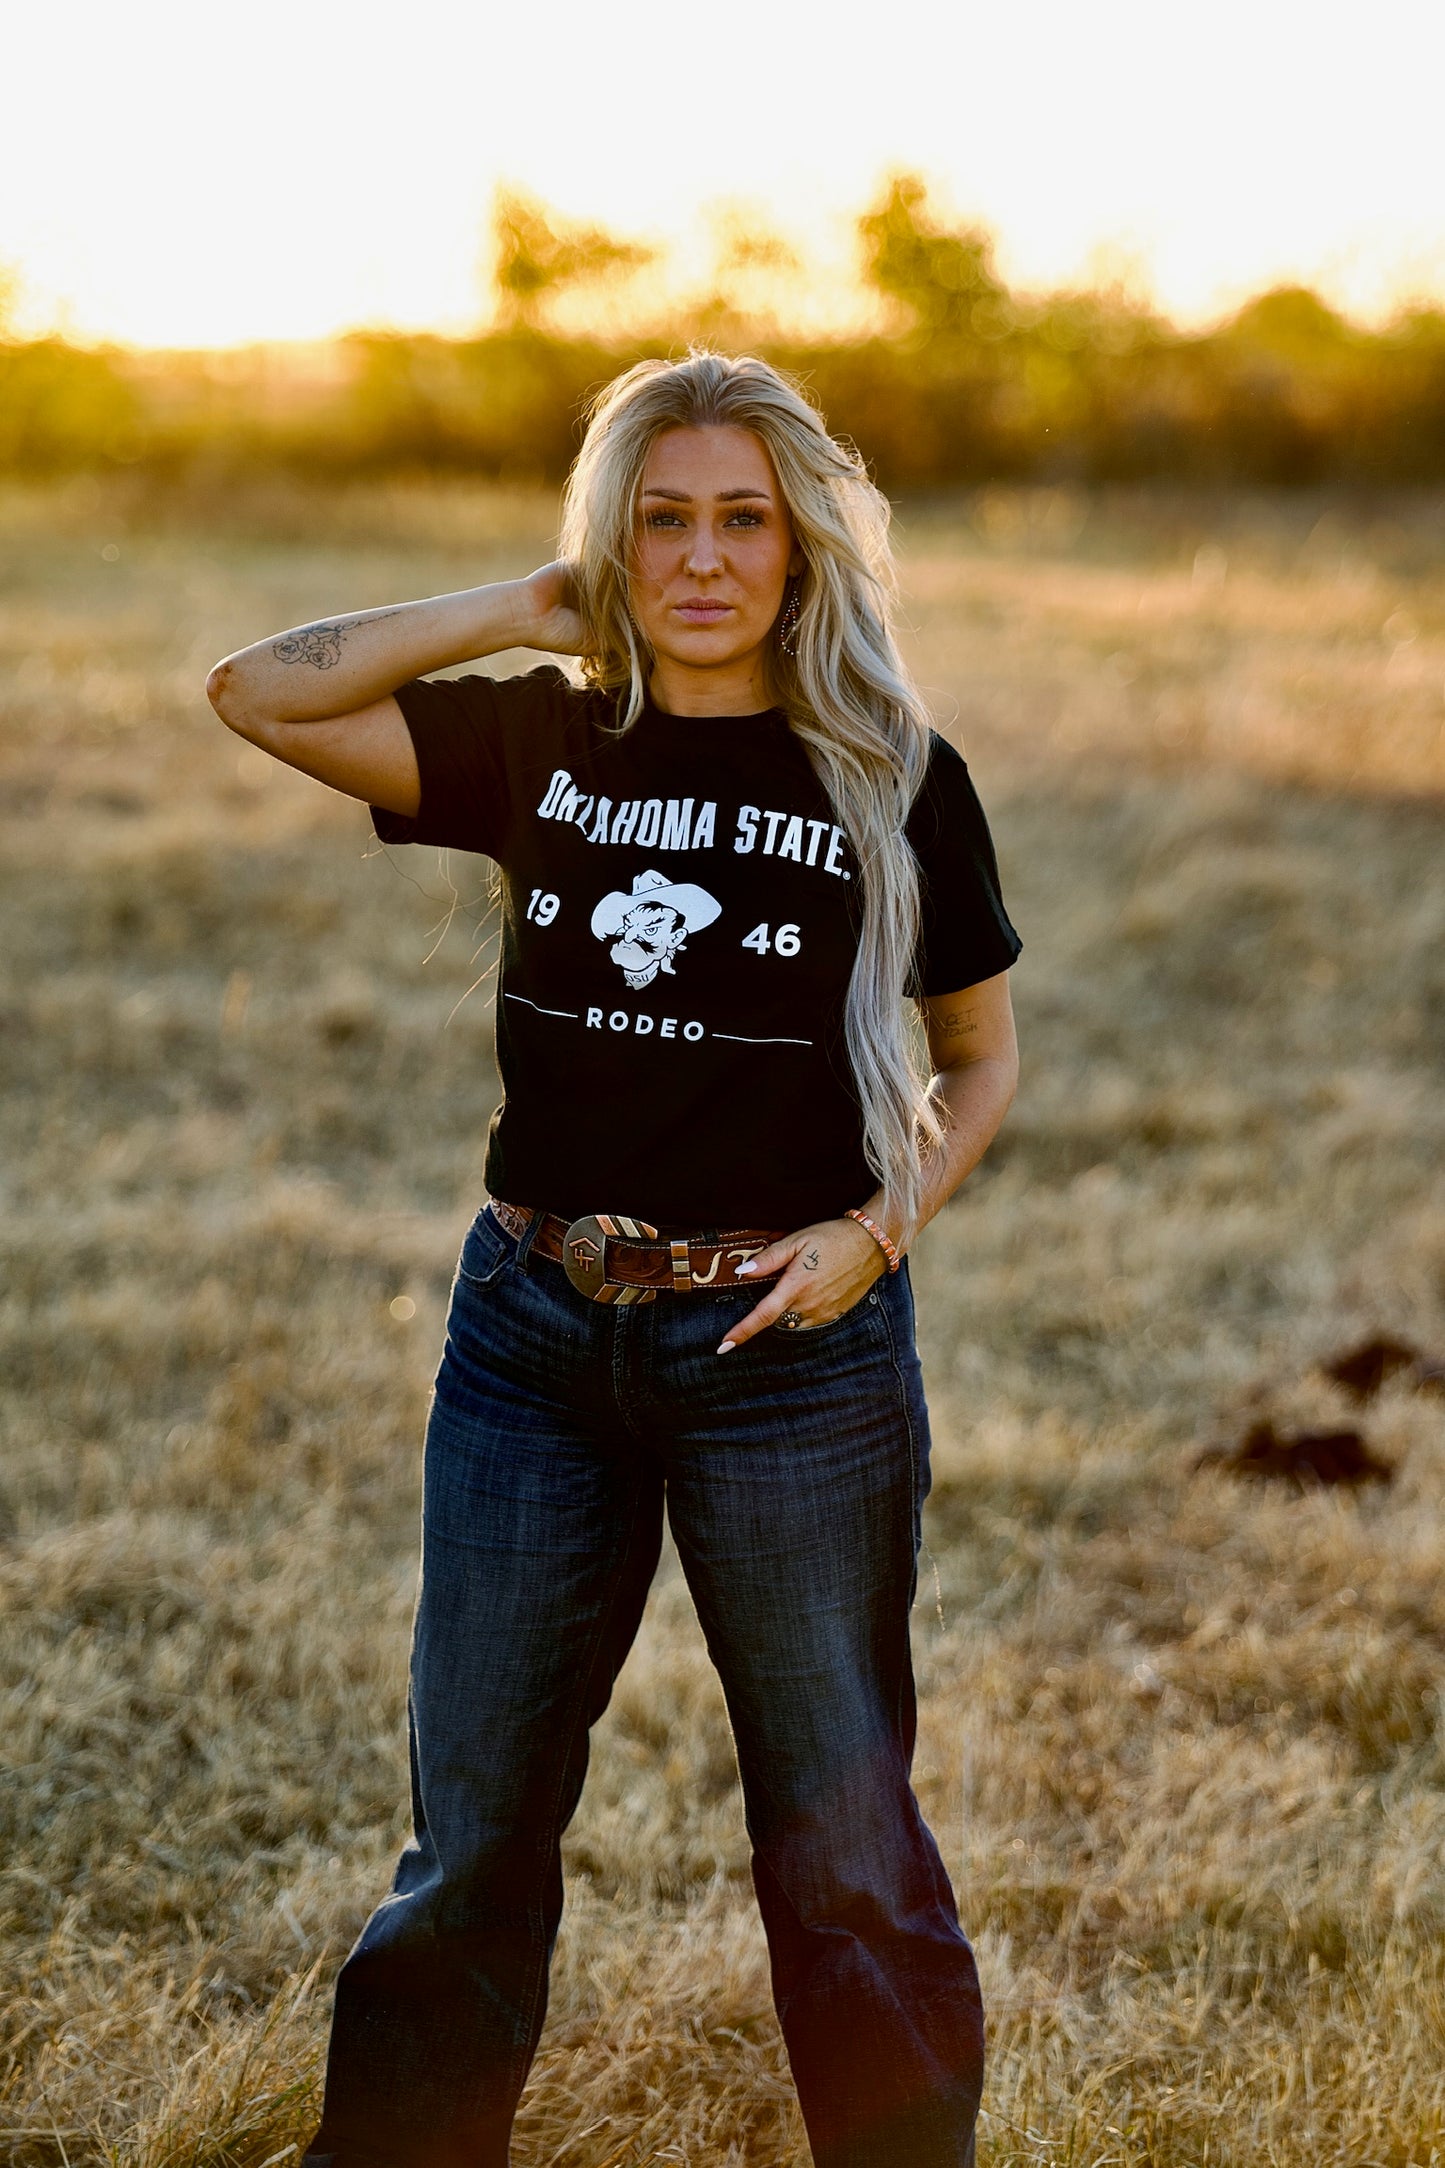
883	1240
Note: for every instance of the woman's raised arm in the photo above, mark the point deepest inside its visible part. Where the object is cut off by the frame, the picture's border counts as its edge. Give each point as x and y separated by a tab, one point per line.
319	697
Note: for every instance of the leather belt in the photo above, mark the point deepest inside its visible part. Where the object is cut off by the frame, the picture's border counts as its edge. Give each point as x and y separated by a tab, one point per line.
611	1259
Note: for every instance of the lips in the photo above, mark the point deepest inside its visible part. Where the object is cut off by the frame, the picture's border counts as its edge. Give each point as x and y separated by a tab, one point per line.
703	613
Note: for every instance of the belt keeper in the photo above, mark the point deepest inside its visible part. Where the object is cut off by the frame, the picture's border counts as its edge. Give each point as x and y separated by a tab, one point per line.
681	1267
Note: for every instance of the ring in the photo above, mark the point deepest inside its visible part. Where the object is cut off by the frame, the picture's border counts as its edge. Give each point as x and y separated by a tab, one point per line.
790	1320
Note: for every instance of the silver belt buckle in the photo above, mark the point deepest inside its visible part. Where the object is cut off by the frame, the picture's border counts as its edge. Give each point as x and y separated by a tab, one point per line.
584	1256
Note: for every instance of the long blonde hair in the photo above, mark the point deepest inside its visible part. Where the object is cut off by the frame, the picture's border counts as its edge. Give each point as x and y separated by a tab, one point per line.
846	691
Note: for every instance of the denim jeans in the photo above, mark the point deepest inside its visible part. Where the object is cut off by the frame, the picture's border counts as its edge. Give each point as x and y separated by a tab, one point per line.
793	1471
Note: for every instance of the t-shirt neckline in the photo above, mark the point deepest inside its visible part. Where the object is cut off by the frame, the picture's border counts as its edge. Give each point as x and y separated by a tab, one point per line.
651	712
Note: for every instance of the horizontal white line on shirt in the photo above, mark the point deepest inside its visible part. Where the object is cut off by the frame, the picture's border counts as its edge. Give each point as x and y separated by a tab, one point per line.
526	1004
740	1040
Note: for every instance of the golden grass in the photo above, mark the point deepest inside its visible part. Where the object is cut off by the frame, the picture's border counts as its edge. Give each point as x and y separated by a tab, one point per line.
1183	1741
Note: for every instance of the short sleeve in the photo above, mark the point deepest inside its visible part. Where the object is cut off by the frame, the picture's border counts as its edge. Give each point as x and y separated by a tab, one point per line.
460	730
965	934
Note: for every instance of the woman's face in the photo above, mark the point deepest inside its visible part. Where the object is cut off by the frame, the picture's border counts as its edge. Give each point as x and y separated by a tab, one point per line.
714	547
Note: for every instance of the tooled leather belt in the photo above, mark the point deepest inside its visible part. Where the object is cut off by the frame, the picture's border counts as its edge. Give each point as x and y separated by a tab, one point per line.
611	1259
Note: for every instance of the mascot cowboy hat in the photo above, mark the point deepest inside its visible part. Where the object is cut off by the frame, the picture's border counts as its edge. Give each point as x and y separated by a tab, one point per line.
693	905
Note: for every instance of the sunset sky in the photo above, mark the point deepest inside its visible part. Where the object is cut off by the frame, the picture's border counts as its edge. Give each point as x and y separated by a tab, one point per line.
191	175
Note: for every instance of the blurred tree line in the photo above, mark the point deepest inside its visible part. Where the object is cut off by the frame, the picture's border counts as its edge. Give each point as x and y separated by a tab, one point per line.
964	381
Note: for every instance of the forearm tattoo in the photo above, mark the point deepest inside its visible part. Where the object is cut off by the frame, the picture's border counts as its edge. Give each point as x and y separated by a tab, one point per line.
320	644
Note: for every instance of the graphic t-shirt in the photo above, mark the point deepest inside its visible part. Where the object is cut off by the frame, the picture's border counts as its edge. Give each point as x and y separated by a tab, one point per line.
680	914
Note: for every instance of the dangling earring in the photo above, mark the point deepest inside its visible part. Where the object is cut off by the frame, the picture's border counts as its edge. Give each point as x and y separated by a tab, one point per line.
788	622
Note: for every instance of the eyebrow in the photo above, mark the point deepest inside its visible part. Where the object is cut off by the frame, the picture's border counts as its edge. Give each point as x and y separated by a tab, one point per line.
724	496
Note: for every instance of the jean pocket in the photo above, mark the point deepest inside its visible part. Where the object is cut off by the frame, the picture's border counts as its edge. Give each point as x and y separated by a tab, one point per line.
858	1313
487	1251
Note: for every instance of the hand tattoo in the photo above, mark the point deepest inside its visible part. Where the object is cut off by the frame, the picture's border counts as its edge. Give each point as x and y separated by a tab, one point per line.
320	644
810	1262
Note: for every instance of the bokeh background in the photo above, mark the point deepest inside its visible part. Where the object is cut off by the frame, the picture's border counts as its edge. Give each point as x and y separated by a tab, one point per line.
1139	316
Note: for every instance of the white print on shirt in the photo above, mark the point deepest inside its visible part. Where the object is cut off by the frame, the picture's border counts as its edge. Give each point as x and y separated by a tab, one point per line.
667	824
791	846
670	824
650	926
641	1025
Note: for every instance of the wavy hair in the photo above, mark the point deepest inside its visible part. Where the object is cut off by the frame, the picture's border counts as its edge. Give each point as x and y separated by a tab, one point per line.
845	690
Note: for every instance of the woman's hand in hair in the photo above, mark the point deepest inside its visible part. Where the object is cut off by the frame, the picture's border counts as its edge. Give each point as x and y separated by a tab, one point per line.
822	1271
555	623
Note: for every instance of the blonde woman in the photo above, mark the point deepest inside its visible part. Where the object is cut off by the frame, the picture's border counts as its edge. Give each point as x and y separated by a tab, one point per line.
731	851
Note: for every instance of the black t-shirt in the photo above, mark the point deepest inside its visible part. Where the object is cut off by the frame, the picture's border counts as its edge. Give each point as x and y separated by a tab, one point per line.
679	921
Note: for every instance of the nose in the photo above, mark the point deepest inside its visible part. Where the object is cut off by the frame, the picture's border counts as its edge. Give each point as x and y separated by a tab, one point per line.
703	555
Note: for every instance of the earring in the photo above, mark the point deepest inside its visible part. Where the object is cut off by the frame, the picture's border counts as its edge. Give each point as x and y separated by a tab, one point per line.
788	622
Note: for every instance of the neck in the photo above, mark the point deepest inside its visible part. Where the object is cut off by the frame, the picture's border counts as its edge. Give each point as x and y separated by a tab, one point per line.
733	688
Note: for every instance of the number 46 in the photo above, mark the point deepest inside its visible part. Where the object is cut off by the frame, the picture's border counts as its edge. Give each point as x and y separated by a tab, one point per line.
787	941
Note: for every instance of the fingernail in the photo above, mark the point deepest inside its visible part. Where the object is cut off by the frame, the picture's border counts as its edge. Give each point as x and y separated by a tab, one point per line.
726	1344
747	1266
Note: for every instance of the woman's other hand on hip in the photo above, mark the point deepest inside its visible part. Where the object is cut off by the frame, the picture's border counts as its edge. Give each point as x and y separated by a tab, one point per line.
821	1272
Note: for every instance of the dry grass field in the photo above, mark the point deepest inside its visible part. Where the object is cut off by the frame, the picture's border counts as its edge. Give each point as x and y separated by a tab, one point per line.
1183	1735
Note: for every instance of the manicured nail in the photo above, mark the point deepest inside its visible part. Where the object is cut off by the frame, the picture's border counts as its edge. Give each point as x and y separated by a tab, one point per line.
747	1266
726	1344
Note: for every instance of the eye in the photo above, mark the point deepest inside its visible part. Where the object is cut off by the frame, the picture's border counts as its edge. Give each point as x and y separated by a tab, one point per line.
663	519
745	518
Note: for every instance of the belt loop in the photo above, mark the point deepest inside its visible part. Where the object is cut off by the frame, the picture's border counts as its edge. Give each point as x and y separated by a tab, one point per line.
525	1240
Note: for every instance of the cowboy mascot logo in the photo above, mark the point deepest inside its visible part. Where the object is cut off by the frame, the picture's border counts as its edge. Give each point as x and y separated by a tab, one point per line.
649	927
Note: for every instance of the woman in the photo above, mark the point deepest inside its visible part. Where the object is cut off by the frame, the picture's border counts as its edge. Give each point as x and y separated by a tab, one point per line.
730	845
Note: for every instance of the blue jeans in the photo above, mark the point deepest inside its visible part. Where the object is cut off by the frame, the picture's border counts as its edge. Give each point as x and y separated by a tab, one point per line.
794	1471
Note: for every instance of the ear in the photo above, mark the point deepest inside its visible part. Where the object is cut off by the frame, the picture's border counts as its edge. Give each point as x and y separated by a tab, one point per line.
797	562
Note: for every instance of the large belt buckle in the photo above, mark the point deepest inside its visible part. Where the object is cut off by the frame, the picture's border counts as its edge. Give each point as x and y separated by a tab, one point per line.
584	1257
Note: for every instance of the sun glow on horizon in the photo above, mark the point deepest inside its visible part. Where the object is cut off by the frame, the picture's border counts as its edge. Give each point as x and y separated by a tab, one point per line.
168	178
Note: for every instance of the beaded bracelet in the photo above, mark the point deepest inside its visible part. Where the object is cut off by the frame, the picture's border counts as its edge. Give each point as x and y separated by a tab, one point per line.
885	1243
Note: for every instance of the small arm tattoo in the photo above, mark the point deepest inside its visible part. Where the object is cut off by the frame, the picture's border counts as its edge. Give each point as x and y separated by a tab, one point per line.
320	644
959	1024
